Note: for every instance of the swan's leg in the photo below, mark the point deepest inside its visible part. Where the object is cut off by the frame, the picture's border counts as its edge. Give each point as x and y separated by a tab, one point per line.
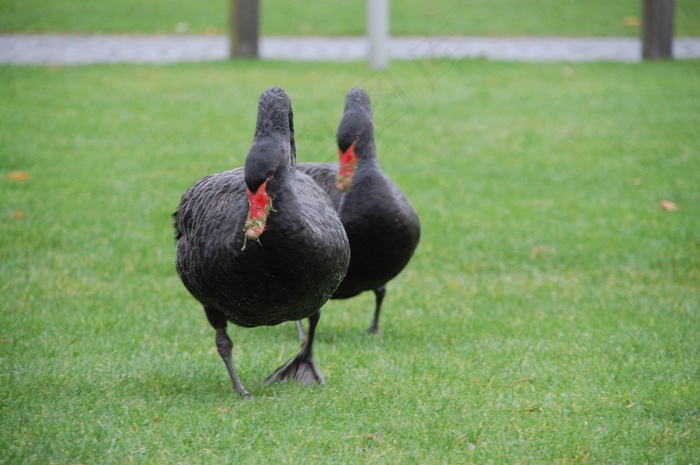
300	330
224	346
302	367
379	293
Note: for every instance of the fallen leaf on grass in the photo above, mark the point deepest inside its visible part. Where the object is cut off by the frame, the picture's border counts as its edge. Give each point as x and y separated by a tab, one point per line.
534	409
631	21
18	176
17	215
668	206
537	251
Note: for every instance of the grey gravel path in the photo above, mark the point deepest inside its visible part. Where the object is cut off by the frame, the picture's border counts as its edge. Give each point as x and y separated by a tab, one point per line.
52	49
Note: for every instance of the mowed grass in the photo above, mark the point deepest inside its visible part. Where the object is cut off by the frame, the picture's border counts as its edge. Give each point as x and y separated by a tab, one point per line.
344	17
550	314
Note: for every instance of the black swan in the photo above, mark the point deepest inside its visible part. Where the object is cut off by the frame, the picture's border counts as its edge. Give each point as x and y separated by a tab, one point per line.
262	244
383	228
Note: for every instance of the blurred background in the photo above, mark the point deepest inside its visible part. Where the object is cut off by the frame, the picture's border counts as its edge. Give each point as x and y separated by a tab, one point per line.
344	17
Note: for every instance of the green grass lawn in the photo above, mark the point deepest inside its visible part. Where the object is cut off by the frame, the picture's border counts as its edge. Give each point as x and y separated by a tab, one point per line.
550	315
344	17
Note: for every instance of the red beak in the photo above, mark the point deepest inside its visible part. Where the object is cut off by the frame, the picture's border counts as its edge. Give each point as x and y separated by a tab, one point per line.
348	164
260	205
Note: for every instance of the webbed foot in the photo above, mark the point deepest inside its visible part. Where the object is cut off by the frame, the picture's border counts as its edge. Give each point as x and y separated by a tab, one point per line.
300	369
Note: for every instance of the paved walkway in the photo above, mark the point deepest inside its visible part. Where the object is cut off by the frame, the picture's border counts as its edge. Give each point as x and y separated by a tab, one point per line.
53	49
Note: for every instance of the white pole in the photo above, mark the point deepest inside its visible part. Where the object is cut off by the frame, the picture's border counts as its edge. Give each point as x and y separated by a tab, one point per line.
378	33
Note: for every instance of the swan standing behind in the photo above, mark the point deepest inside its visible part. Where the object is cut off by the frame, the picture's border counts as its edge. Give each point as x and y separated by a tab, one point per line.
382	226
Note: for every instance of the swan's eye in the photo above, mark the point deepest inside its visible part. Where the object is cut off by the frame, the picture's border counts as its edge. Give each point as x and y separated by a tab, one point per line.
270	175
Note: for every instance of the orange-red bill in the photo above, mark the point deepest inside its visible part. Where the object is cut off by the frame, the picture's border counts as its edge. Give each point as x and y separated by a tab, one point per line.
348	164
260	205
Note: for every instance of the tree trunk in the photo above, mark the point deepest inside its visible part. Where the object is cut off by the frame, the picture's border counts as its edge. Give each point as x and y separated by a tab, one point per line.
657	29
244	30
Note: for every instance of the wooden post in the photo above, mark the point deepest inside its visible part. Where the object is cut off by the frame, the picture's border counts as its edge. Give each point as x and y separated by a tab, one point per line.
378	33
244	30
657	29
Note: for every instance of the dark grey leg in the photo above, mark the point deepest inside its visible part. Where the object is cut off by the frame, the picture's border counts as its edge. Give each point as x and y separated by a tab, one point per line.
224	346
302	367
300	330
379	292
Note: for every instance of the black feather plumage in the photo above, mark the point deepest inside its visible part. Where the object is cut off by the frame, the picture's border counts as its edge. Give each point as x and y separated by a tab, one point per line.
300	259
382	226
